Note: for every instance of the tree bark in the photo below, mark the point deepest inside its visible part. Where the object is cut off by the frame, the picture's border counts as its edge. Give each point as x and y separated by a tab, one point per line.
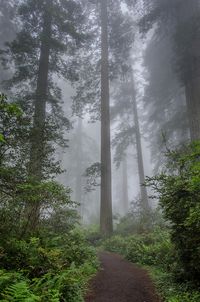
37	151
125	200
106	224
187	12
192	91
78	190
143	190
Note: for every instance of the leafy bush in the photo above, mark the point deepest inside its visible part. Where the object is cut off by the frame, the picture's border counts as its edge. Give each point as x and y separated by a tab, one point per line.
93	235
18	191
15	286
147	249
156	252
136	221
20	292
56	269
38	257
31	256
44	259
116	244
172	291
68	286
178	189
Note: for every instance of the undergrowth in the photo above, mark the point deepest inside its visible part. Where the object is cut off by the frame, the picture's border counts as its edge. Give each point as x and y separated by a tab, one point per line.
56	270
157	254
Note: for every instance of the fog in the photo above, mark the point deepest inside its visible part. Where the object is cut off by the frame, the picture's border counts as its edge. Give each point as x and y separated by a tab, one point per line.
130	60
100	150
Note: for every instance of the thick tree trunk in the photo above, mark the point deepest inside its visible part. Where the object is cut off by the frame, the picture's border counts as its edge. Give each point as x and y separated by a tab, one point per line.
106	225
78	189
37	152
186	13
125	201
192	90
143	190
37	146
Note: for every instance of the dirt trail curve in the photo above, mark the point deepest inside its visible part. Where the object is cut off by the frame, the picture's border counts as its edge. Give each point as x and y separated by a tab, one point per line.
120	281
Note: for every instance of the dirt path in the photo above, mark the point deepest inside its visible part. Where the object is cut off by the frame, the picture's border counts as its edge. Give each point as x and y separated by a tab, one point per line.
120	281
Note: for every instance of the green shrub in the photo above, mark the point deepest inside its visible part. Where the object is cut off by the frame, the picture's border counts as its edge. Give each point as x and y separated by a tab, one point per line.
156	252
69	285
115	244
186	297
150	249
43	259
93	235
136	222
179	194
57	269
30	256
15	287
20	292
170	290
76	248
66	285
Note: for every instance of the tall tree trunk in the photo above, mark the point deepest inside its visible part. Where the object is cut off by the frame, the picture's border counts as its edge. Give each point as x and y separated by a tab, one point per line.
78	189
106	224
143	190
187	12
37	152
192	90
125	201
192	84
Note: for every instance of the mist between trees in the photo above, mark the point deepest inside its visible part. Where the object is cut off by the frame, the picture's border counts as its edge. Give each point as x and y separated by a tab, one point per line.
94	94
116	74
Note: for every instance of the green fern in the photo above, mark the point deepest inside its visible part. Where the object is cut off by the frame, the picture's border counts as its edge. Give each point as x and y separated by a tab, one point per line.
20	292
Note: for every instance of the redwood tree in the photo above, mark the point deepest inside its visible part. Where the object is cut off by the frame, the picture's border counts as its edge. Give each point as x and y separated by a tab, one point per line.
179	21
106	183
143	190
51	32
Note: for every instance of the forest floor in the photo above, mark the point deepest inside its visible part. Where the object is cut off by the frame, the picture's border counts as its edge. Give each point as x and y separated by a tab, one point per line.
120	281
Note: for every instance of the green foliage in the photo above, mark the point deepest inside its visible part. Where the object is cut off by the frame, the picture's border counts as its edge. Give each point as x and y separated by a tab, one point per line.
17	190
124	137
66	285
22	56
39	255
20	292
158	255
15	286
32	256
54	262
49	269
170	290
93	174
94	235
137	222
54	199
147	249
69	285
76	248
172	256
178	189
116	244
13	145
